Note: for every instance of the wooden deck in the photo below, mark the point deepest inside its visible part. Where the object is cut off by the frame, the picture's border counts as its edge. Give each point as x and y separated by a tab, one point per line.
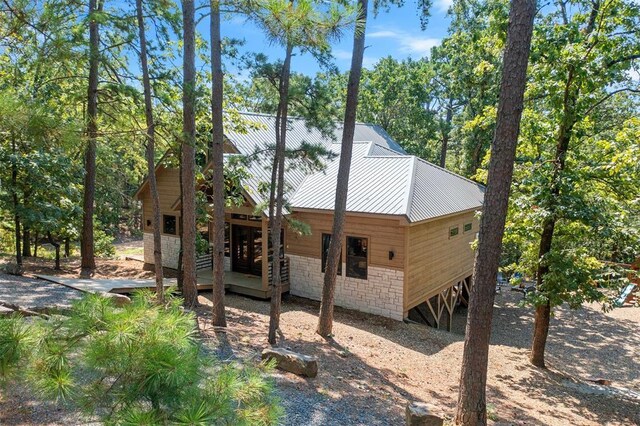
250	285
236	282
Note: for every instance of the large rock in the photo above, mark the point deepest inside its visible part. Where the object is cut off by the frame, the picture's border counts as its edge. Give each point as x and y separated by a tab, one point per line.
302	365
119	300
420	414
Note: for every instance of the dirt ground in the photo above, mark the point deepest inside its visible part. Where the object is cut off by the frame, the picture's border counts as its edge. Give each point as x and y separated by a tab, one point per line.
374	365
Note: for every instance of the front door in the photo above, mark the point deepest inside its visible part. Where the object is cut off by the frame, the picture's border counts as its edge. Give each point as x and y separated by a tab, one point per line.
246	242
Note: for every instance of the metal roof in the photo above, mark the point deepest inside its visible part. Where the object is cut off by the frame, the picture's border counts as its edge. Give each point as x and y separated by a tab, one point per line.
261	135
383	179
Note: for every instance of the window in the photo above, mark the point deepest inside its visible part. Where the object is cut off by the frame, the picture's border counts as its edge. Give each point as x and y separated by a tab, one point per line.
238	216
453	231
326	239
169	224
357	257
467	227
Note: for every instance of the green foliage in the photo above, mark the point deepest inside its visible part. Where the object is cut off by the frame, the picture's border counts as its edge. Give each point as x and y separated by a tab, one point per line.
139	364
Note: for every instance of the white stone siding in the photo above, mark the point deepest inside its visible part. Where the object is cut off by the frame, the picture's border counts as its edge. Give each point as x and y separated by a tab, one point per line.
170	250
380	293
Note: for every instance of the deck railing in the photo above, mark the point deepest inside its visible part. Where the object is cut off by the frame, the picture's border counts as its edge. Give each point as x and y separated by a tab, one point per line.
284	271
204	261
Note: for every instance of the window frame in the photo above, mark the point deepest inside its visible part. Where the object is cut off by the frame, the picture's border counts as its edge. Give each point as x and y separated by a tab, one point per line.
164	224
464	227
454	231
325	253
348	256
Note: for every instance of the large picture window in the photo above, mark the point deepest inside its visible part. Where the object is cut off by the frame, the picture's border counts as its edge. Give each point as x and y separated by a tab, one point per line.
357	249
326	240
169	224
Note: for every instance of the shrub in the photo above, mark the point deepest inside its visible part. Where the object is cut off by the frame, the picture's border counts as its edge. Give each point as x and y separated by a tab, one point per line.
138	364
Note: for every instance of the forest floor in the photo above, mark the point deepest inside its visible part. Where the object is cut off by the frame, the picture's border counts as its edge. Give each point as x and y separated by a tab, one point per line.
374	365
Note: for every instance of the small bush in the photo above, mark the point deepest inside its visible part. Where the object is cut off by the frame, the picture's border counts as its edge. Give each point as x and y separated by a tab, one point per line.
139	364
103	244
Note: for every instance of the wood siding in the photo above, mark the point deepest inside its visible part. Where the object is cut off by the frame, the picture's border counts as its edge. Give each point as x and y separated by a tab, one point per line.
384	235
168	189
435	259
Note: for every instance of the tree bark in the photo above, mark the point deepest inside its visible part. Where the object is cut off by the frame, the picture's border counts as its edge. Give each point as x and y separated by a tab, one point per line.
150	154
217	158
67	247
189	289
36	237
88	262
275	221
16	202
325	320
543	312
446	129
471	408
26	242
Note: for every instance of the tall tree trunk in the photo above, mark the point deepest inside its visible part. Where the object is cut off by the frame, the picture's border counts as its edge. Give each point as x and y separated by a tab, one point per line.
471	409
217	158
67	247
150	154
16	202
36	237
189	289
275	221
88	262
446	129
26	242
325	321
543	312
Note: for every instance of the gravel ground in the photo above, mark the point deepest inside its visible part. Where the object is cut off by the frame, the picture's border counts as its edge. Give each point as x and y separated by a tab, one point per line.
35	294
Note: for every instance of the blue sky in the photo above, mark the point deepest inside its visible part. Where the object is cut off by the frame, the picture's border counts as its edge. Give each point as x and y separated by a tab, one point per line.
396	33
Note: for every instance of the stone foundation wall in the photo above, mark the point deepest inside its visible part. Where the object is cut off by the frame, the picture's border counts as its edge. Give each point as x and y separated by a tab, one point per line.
380	293
170	250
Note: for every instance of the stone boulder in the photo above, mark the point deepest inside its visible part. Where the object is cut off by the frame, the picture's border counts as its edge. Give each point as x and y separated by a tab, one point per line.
302	365
420	414
119	300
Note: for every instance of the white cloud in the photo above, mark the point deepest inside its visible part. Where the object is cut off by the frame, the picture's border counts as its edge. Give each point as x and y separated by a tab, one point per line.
408	43
443	5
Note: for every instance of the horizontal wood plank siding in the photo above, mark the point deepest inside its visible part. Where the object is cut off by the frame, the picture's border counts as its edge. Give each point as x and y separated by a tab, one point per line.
435	259
384	235
168	190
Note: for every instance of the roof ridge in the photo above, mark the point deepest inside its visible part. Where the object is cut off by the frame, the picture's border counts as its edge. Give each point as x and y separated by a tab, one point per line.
297	117
412	179
449	171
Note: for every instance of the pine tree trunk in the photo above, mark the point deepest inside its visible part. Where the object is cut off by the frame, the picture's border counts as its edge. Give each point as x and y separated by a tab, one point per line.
56	245
26	242
276	221
35	244
445	134
150	154
471	408
189	289
67	247
325	320
88	262
217	154
16	202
